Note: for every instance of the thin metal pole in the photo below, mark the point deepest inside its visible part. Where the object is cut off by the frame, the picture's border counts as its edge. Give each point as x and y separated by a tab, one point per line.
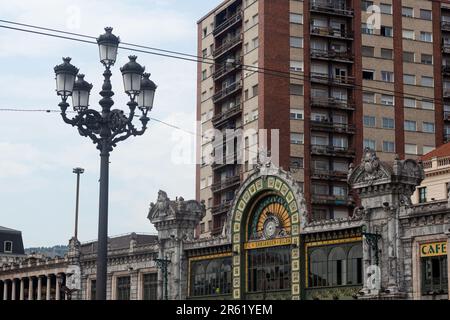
78	172
102	244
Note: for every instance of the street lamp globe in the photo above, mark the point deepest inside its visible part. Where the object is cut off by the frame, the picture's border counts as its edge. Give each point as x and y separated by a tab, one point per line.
147	94
132	74
80	95
108	44
65	78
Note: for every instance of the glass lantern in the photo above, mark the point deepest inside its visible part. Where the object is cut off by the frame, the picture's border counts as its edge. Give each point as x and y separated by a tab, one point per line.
147	94
65	78
80	95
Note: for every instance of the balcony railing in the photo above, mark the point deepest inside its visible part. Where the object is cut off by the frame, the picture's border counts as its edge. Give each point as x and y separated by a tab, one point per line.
446	48
227	45
329	175
332	55
227	183
331	199
331	8
221	208
224	116
330	32
228	23
447	115
224	70
222	94
445	25
332	126
332	79
332	151
446	93
446	70
322	102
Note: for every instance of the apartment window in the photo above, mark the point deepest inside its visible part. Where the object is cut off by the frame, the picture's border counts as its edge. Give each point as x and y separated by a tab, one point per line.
386	8
205	32
387	76
339	191
426	59
409	79
368	51
202	227
407	12
386	31
425	14
255	90
422	195
368	143
410	125
296	66
410	148
427	149
296	18
365	29
388	146
428	104
369	121
296	163
365	4
123	288
408	34
297	138
428	127
409	102
296	89
204	75
388	123
203	183
369	97
93	289
205	53
426	36
150	286
296	42
386	53
427	81
408	56
387	100
255	43
296	114
7	247
368	74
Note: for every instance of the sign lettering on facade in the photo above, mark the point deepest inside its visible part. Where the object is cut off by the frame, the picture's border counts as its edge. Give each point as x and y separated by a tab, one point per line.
433	249
268	243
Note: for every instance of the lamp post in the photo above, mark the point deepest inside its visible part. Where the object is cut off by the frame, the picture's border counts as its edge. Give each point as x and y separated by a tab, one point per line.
105	128
78	172
372	241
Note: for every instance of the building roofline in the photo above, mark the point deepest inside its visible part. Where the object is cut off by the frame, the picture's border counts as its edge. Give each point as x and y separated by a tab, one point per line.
212	11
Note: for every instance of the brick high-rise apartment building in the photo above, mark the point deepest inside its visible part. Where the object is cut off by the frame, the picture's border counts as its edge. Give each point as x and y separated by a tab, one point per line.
341	86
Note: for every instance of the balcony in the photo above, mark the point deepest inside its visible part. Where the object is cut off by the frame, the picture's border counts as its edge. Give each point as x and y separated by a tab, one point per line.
332	79
227	45
446	93
225	70
332	151
446	48
447	115
332	55
221	208
230	160
226	92
329	175
224	116
446	70
331	33
445	26
333	103
336	200
227	24
331	8
333	127
226	184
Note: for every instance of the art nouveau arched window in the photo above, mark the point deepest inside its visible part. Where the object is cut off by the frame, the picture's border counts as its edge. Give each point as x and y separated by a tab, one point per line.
337	267
354	261
211	277
318	268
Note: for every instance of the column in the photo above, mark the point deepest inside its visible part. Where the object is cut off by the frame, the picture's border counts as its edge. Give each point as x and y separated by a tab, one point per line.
30	288
13	289
49	285
5	290
39	288
58	288
22	289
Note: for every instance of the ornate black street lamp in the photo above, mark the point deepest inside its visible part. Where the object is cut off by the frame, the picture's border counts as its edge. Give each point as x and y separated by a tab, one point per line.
105	128
163	263
372	242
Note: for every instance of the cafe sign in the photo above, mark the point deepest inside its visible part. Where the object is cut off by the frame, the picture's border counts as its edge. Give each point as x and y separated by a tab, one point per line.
433	249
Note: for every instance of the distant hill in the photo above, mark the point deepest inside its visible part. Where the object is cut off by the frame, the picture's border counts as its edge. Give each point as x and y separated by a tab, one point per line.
48	251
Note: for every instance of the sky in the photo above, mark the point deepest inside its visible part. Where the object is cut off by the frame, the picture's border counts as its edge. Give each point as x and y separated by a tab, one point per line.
38	151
